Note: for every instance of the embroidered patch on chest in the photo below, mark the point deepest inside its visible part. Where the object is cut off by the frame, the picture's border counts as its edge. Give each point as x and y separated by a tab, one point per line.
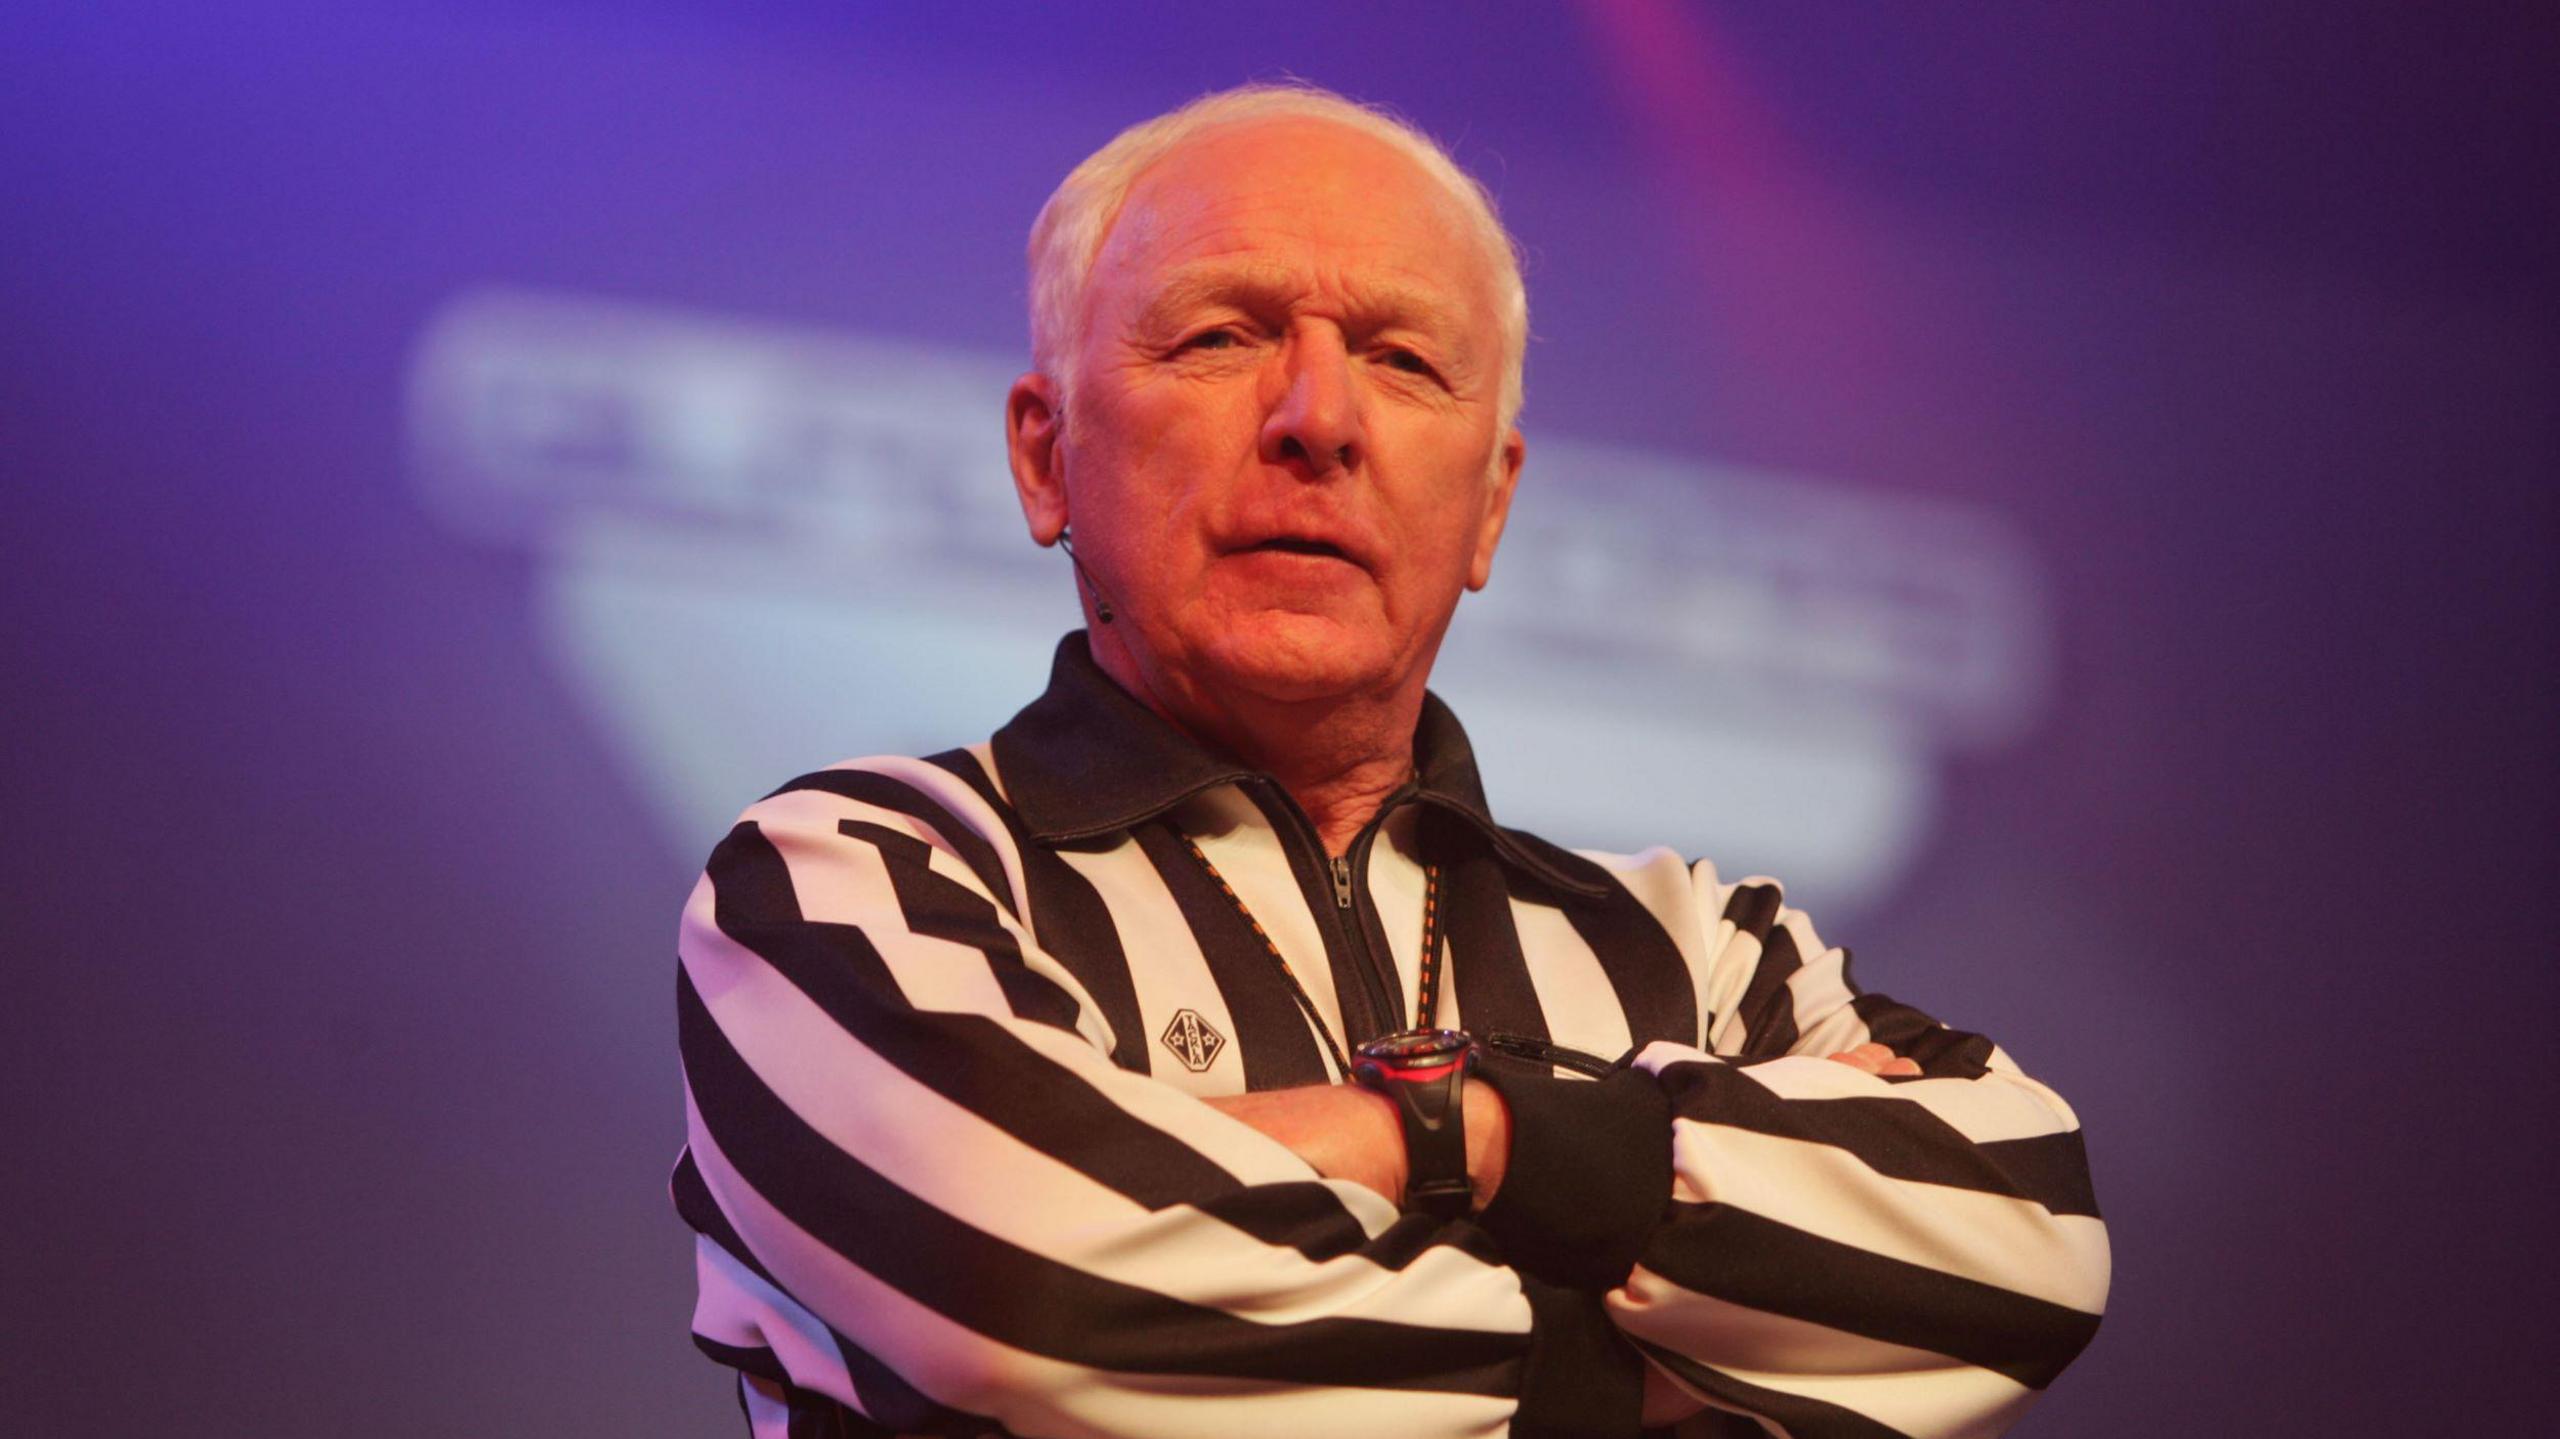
1192	1040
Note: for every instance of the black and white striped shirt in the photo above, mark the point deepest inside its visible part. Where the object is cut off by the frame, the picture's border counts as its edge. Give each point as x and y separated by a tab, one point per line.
946	1024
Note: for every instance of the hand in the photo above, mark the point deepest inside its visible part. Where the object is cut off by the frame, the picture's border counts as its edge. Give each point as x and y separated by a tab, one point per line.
1874	1058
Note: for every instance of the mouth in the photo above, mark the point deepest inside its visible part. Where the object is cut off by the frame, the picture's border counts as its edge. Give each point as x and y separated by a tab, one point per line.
1299	545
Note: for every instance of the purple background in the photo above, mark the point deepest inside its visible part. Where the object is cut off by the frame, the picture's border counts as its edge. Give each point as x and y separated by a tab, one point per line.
338	1047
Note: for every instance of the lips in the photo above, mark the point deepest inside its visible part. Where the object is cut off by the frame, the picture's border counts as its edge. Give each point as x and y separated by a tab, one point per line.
1309	540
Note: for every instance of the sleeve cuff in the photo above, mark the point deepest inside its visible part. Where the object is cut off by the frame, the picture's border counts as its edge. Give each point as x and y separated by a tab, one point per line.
1583	1379
1590	1173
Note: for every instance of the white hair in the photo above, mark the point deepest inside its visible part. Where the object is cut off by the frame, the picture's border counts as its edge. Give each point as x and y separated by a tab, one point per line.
1072	226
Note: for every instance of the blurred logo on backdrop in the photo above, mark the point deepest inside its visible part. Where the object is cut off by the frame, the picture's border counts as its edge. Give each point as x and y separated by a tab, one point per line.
759	549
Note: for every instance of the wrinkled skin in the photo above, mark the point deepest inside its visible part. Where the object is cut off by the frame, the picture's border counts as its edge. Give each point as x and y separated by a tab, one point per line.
1283	458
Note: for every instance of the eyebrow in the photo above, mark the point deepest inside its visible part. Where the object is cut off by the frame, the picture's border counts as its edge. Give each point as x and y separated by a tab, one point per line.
1265	288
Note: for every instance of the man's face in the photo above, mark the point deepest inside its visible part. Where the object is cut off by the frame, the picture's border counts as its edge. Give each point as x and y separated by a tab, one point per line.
1281	457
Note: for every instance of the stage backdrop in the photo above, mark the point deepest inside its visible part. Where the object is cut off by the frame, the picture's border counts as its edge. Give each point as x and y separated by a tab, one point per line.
2069	489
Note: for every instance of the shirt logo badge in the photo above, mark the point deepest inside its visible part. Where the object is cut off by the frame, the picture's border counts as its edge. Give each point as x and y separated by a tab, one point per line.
1192	1040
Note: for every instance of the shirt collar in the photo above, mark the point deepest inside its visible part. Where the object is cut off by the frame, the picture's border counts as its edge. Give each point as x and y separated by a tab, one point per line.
1087	759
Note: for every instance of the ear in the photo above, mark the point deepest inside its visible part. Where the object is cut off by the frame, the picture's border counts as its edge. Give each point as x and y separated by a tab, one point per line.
1497	508
1033	417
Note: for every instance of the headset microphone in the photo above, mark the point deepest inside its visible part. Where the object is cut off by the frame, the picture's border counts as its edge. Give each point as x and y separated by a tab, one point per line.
1101	597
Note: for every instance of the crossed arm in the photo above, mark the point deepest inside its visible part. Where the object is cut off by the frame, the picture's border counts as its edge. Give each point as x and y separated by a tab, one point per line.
924	1190
1345	1132
1349	1133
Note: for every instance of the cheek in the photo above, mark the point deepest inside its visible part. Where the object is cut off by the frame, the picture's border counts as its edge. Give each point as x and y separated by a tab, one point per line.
1135	488
1174	454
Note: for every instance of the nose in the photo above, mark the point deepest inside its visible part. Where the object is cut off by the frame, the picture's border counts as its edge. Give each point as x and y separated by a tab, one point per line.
1314	425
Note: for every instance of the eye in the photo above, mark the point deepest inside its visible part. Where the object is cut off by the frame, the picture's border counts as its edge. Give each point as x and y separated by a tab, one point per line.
1409	362
1221	338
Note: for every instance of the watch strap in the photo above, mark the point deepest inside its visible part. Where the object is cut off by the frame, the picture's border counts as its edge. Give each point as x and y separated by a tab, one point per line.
1430	1103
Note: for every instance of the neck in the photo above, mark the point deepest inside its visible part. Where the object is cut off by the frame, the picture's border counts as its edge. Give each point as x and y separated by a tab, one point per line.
1340	765
1338	757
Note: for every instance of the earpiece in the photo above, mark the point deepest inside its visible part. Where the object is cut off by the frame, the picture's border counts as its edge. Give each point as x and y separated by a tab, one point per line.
1101	597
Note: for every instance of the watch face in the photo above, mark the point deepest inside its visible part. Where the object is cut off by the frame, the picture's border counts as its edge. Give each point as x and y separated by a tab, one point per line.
1412	1048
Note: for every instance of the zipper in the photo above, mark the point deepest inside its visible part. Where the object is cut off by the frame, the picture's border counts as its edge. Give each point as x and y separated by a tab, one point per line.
1379	968
1344	927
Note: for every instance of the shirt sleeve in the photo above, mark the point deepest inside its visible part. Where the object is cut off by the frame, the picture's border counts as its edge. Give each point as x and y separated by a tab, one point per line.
1841	1254
922	1189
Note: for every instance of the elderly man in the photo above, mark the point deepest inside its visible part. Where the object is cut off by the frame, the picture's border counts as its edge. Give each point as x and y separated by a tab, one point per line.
1198	1056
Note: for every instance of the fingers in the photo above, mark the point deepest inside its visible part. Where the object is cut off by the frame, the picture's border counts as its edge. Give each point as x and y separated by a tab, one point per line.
1869	1057
1875	1059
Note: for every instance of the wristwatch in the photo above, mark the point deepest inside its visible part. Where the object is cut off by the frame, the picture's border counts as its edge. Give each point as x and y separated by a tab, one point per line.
1425	1072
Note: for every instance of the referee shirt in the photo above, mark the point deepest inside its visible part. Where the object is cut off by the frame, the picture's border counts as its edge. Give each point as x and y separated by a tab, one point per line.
946	1023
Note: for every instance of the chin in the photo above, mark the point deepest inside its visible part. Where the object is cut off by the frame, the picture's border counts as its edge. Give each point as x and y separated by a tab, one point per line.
1291	657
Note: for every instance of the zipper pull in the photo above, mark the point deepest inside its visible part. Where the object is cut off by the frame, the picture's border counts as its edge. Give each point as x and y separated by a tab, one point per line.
1539	1051
1342	880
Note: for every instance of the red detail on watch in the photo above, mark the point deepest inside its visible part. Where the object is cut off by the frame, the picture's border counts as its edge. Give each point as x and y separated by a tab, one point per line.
1418	1074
